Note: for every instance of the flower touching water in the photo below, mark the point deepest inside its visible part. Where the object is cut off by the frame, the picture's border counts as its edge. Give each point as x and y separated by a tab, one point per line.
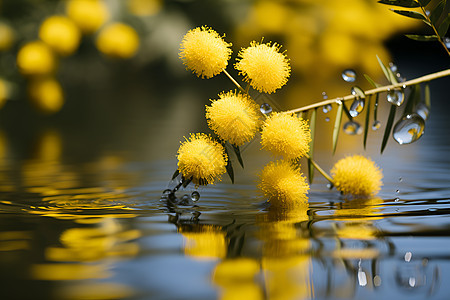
204	52
283	184
357	176
234	117
202	159
286	135
263	66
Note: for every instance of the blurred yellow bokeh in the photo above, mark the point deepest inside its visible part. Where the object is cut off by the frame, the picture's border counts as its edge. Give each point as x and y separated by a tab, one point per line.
4	92
7	37
46	94
36	58
89	15
118	40
144	7
61	34
204	242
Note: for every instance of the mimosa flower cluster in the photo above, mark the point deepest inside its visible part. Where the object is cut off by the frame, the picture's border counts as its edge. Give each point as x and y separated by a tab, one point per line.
235	119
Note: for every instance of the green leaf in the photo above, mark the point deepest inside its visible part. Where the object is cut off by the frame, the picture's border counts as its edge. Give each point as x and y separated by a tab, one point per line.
177	172
390	76
371	81
337	125
427	96
238	154
375	108
366	126
230	171
389	124
411	101
347	112
422	38
437	12
312	127
410	14
401	3
185	182
424	3
443	28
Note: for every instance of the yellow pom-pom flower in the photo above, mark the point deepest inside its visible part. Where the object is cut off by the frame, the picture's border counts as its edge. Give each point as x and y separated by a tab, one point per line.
204	52
118	40
357	176
202	159
89	15
286	135
7	37
283	184
61	34
234	117
263	66
36	58
46	95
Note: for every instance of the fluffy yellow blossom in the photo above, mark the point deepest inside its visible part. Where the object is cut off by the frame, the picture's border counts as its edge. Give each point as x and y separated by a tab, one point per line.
61	34
89	15
286	135
234	117
118	40
204	52
264	67
357	176
202	158
283	184
7	37
4	92
36	58
46	94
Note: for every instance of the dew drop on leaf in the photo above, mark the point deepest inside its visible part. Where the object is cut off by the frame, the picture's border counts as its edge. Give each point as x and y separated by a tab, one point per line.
357	107
376	125
395	96
349	75
423	111
352	128
266	108
195	196
408	129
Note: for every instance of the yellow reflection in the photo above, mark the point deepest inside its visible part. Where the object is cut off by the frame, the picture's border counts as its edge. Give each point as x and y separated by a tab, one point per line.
95	291
14	240
204	241
144	7
286	262
236	277
107	239
46	94
69	271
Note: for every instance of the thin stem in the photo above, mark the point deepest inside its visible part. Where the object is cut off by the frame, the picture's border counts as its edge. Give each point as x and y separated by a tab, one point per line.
425	78
435	30
321	171
234	81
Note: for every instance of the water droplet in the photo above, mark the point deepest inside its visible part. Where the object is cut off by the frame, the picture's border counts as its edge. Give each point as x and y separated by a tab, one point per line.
324	95
185	200
376	125
422	110
357	107
358	92
432	209
330	186
396	96
349	75
393	67
377	280
362	278
397	191
195	196
427	12
400	179
352	128
326	108
408	129
266	108
400	78
408	256
327	119
447	42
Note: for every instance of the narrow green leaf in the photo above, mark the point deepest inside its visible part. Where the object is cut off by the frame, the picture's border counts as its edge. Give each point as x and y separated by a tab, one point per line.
401	3
410	14
410	101
186	182
389	124
437	12
375	107
424	3
177	172
337	126
312	127
230	171
390	76
371	81
366	126
303	115
427	96
238	154
422	38
347	112
428	23
443	28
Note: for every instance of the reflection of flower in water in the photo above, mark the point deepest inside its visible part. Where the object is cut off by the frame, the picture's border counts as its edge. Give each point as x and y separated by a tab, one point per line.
46	94
204	241
236	277
205	52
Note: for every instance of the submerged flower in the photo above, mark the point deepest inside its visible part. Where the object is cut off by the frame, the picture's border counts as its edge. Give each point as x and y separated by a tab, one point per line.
36	58
118	40
61	34
283	184
264	67
202	159
233	117
204	52
286	135
357	176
